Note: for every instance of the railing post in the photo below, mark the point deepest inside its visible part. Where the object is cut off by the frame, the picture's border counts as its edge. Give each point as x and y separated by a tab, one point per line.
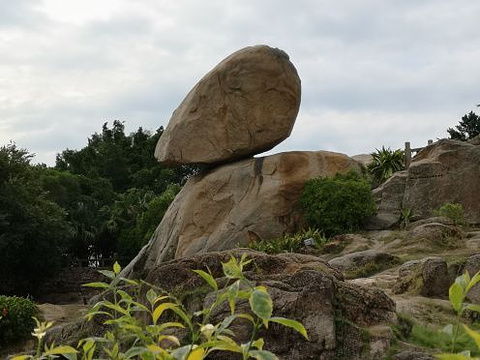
408	155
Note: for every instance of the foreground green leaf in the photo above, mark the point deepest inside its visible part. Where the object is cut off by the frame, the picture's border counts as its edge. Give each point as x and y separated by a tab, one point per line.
208	278
261	304
291	324
455	294
263	355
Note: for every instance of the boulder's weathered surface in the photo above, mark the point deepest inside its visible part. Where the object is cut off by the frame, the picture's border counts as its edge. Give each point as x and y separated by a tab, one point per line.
364	159
364	262
427	277
435	231
246	105
413	355
446	171
346	244
343	321
223	208
389	200
472	265
334	313
475	140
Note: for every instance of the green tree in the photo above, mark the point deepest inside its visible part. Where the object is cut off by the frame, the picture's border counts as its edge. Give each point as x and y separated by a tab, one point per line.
139	231
128	176
34	232
127	161
384	163
85	201
468	127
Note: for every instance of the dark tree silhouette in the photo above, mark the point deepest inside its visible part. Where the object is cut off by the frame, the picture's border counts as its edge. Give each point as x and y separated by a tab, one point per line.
468	128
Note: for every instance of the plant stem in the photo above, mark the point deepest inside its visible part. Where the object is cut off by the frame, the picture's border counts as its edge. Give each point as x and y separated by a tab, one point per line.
455	330
39	347
256	327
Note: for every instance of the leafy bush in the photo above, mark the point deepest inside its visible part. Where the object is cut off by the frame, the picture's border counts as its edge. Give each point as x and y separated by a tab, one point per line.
15	318
289	243
384	163
337	205
452	211
187	337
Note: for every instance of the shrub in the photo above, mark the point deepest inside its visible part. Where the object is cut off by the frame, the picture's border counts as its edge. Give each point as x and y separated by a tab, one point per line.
384	163
186	336
15	318
452	211
289	243
337	205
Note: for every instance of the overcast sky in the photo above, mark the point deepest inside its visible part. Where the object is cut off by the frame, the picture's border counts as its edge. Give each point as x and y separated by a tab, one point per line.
374	72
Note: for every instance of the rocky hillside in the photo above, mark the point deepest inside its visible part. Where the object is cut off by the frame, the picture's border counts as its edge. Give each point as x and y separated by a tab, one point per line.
377	294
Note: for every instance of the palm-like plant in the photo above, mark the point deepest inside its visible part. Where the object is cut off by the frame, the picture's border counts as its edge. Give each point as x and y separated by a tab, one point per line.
384	163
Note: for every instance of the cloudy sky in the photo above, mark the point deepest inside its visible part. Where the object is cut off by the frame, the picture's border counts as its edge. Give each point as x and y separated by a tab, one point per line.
374	72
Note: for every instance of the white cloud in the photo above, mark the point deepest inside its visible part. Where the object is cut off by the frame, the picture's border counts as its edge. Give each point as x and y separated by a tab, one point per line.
373	72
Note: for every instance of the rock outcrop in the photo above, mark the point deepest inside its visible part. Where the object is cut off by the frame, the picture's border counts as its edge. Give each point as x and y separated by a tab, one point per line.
246	105
427	277
226	206
364	263
446	171
335	314
472	265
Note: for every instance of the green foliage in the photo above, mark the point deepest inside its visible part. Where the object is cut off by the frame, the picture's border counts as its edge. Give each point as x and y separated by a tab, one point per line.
15	318
104	199
468	127
405	217
289	243
134	191
452	211
134	217
384	163
457	294
187	336
126	161
86	202
337	205
30	224
431	338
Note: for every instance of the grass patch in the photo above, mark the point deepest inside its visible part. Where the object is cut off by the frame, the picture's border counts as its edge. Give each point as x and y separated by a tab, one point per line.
289	243
370	268
435	339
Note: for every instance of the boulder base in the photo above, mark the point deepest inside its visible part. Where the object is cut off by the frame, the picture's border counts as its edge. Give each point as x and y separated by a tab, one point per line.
232	204
335	314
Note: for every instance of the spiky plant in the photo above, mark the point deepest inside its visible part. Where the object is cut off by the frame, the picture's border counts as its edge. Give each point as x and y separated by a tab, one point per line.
384	163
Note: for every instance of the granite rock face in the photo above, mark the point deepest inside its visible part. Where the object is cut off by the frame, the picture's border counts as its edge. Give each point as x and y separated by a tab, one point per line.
302	287
224	208
428	277
244	106
446	171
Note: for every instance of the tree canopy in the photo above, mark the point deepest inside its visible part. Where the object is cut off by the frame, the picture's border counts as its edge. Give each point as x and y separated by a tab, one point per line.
103	200
30	224
468	127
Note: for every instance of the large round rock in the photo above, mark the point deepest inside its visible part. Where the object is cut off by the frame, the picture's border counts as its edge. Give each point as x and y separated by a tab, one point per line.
246	105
